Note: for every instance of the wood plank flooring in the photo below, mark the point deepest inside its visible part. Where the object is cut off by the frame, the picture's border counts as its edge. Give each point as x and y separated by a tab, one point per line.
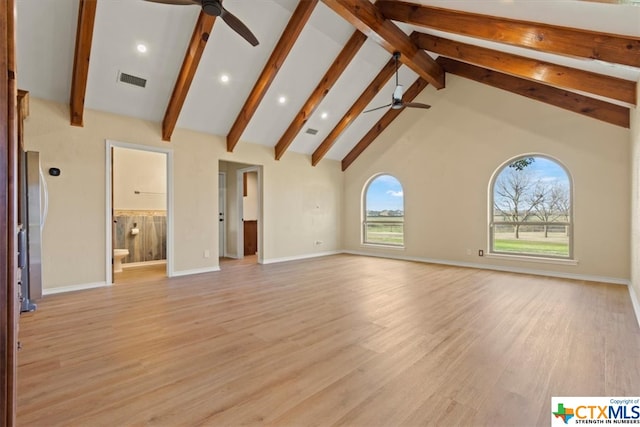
340	340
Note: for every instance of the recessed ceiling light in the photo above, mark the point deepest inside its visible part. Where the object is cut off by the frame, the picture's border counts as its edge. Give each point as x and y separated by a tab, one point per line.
324	115
141	48
224	78
282	99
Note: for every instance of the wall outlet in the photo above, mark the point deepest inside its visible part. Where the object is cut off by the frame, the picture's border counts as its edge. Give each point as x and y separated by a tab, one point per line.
480	252
206	253
468	251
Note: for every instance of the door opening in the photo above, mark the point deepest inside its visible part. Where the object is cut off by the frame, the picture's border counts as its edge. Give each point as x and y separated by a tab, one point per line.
139	215
222	209
243	213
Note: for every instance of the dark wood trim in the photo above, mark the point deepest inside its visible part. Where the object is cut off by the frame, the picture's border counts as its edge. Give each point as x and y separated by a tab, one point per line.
361	103
366	17
245	186
322	89
278	56
80	73
199	38
8	218
382	124
594	108
618	49
532	69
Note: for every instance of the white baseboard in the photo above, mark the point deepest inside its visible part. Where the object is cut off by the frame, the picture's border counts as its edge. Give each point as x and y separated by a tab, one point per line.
635	303
195	271
562	275
62	289
300	257
143	264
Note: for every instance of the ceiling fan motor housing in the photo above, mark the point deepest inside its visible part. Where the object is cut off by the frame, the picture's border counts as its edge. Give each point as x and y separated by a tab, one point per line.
212	7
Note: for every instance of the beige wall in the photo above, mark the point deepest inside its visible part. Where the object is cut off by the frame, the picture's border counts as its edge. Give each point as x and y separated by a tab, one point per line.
445	158
139	180
302	203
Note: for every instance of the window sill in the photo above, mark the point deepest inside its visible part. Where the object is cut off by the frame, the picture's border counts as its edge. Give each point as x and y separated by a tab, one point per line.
525	258
381	246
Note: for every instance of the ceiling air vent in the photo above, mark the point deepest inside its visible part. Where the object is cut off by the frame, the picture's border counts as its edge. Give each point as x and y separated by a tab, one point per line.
132	80
312	131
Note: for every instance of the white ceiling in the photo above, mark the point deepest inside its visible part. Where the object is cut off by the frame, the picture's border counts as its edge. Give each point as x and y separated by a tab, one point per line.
46	36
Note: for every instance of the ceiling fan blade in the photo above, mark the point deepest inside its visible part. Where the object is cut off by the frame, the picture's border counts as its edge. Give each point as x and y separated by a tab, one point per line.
416	105
176	2
236	25
377	108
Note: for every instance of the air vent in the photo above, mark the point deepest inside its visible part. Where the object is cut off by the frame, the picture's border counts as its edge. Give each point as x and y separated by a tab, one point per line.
132	80
312	131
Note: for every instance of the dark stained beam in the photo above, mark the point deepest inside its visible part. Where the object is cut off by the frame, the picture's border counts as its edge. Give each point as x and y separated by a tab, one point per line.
9	306
199	38
80	73
366	17
322	89
361	103
288	38
382	124
612	48
594	108
520	66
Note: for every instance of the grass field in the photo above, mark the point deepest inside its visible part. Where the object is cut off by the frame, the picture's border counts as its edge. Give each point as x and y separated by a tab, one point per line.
389	231
534	247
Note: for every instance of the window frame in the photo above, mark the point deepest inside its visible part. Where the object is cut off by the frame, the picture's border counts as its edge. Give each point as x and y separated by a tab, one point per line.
492	224
363	214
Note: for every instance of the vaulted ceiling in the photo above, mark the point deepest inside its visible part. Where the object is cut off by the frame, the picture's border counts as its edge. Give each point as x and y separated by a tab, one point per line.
320	64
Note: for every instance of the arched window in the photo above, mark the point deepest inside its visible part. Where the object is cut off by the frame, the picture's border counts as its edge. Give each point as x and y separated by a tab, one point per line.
531	208
383	216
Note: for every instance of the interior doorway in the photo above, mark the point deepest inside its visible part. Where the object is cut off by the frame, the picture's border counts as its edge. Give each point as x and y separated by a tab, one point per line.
242	226
139	216
222	211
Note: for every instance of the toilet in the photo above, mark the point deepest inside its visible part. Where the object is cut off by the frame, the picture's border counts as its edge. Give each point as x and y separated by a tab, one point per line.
118	256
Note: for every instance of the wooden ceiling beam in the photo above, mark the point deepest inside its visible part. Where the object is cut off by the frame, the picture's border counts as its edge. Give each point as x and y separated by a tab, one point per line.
199	38
366	17
361	103
297	22
520	66
322	89
594	108
82	55
382	124
612	48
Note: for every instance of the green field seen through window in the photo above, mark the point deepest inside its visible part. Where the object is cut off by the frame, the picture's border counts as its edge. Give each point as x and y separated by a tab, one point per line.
385	230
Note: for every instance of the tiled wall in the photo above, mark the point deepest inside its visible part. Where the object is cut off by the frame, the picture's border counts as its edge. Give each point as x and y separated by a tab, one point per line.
150	244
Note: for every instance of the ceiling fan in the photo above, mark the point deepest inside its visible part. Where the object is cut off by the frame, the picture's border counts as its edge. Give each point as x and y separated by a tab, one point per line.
215	8
396	98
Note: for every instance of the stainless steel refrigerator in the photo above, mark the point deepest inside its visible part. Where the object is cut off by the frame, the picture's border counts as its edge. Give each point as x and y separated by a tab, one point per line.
32	212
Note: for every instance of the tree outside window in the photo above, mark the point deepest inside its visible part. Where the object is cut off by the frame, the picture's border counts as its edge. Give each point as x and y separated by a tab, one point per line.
531	209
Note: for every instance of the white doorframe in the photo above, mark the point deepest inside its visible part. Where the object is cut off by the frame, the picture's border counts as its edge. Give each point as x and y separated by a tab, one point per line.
108	229
222	212
240	242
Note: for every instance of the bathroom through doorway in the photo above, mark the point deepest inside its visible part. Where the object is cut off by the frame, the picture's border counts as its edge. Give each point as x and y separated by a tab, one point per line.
138	213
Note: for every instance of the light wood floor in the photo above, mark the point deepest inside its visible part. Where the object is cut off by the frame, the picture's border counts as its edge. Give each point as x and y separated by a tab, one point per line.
138	275
340	340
